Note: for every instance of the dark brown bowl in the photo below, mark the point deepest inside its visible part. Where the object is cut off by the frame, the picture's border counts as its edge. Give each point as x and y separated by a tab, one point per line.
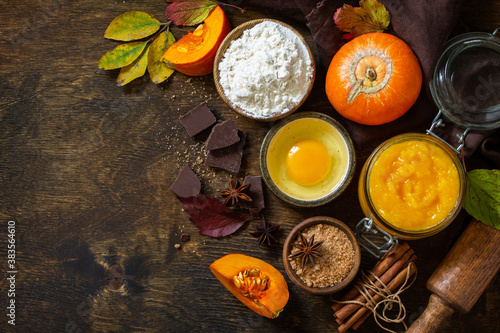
287	248
235	34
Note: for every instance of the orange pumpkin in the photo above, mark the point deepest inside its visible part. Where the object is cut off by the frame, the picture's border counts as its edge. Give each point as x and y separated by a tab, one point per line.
373	79
257	284
194	53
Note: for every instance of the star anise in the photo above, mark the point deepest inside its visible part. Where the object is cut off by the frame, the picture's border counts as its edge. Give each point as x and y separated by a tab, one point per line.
265	232
235	193
308	250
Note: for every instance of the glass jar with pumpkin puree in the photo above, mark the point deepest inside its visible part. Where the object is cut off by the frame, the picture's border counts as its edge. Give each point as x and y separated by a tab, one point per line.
412	186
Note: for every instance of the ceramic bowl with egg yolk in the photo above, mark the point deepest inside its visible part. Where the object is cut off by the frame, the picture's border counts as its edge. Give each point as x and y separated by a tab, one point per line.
307	159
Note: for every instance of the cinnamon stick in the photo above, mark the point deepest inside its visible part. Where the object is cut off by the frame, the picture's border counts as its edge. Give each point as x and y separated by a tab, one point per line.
363	313
367	314
361	320
380	268
349	309
390	258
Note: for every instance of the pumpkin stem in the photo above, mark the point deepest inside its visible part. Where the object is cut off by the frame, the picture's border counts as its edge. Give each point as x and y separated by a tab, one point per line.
371	74
355	90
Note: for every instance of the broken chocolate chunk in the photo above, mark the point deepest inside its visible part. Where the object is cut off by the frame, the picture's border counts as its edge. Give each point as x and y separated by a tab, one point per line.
228	158
222	135
198	119
255	192
187	183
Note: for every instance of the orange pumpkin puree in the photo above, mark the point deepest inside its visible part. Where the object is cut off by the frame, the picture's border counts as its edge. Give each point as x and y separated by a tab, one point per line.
414	185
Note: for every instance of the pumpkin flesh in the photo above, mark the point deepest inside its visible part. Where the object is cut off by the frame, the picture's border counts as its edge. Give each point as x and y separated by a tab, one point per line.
195	52
258	285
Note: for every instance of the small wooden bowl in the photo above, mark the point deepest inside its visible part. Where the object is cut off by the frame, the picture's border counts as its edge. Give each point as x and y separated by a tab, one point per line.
235	34
292	236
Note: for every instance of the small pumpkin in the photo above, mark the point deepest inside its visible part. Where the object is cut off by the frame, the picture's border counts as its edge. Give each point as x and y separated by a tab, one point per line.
373	79
194	53
257	284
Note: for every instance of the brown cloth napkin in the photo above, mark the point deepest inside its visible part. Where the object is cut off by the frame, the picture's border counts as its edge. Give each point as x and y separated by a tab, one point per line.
424	25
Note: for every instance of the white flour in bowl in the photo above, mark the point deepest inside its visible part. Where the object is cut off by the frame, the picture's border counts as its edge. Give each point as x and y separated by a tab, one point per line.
266	70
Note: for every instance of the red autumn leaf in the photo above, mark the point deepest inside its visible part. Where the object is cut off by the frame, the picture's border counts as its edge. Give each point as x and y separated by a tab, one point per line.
371	16
211	216
189	12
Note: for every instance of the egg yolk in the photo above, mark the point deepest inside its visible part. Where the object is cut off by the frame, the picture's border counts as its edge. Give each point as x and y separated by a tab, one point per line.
308	162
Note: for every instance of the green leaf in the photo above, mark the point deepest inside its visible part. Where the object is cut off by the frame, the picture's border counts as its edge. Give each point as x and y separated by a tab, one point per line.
132	26
134	70
123	55
189	12
482	197
158	70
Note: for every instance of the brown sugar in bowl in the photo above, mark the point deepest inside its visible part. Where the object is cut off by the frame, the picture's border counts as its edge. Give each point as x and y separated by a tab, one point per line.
292	238
237	33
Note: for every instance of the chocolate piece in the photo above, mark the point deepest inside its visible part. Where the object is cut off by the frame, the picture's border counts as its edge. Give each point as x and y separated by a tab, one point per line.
187	183
228	158
222	135
255	192
198	119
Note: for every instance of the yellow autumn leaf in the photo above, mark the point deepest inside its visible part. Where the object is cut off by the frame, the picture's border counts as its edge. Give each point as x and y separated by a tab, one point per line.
132	26
122	55
371	16
136	69
158	70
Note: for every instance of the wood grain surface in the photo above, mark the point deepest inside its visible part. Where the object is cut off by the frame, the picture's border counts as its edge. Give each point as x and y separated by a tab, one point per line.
85	171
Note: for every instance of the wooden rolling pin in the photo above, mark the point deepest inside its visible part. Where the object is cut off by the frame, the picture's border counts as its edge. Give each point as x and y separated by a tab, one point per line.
462	276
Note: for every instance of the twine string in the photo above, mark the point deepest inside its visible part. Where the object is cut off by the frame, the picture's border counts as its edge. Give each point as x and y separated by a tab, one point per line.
389	299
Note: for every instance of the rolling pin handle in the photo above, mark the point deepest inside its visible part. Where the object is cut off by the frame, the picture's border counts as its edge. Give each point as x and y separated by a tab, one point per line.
437	311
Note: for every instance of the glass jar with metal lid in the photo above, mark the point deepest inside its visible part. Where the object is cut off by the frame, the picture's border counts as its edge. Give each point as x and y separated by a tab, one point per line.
404	183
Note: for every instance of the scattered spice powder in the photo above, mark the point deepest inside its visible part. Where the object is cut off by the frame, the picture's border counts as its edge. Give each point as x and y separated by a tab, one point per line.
336	261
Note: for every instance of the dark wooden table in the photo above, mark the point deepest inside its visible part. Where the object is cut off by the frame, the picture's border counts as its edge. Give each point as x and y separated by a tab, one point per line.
85	171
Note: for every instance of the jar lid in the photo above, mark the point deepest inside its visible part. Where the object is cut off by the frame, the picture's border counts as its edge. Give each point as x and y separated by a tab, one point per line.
466	81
